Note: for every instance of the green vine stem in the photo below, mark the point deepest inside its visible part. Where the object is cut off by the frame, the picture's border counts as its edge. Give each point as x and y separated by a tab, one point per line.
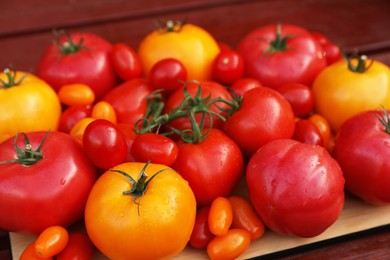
385	120
11	79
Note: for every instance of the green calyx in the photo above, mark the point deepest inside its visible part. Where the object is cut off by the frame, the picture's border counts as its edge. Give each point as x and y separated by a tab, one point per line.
385	120
169	26
361	65
280	43
69	46
11	79
26	155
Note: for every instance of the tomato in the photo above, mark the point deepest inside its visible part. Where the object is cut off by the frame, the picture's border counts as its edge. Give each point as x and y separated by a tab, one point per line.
332	52
57	170
129	100
307	132
153	212
29	253
168	75
201	234
245	217
51	241
323	127
78	128
346	88
300	97
126	62
242	85
211	167
71	115
279	54
78	58
79	247
76	94
190	44
220	216
27	103
264	115
104	144
228	67
130	135
229	246
104	110
362	148
296	188
155	148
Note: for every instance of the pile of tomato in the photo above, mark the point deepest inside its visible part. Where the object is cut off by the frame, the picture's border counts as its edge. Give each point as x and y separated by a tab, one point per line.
149	148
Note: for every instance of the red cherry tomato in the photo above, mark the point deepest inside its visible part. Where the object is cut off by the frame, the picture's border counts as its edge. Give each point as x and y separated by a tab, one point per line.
71	115
307	132
126	62
300	97
243	85
332	52
201	234
130	134
220	216
79	247
228	66
104	144
155	148
168	74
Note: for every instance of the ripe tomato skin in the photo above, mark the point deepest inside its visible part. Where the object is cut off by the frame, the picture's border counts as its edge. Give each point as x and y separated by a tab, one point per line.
156	225
76	94
362	150
78	129
312	204
104	110
168	74
79	247
220	216
90	65
51	241
29	253
264	115
242	85
104	144
64	174
229	246
306	132
125	61
201	234
245	217
332	52
71	115
299	61
323	127
228	66
155	148
212	167
130	134
300	97
192	45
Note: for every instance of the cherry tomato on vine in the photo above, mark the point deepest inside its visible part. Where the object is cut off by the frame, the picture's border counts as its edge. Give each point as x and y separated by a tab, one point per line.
76	94
306	132
243	85
51	241
29	253
228	66
71	115
125	61
168	74
300	97
201	234
104	110
104	144
220	216
79	247
229	246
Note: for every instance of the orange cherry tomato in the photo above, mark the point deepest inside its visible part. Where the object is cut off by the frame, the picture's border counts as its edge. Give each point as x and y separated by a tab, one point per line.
78	129
323	127
245	217
51	241
220	216
104	110
30	254
229	246
76	94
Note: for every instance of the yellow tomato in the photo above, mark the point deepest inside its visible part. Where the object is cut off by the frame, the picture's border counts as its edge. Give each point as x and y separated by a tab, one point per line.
344	89
190	44
153	221
27	103
104	110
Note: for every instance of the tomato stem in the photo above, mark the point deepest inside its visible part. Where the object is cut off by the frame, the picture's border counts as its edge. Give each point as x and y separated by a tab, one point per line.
361	65
385	120
69	46
11	79
280	43
169	26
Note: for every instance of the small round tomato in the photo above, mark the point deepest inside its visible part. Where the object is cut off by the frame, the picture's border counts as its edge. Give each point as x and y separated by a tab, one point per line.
71	115
125	61
104	144
300	97
323	127
306	132
51	241
79	247
201	234
229	246
168	75
228	66
220	216
141	211
243	85
104	110
155	148
76	94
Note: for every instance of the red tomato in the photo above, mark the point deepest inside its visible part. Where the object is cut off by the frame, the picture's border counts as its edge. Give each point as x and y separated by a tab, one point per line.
129	100
300	97
155	148
229	246
281	54
78	58
212	167
126	62
104	144
228	66
201	234
71	115
130	134
79	247
243	85
362	148
51	241
168	74
220	216
30	194
264	115
296	188
307	132
332	52
323	127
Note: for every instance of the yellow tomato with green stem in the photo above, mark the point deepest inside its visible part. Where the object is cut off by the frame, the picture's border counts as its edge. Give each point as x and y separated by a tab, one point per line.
27	103
192	45
350	86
